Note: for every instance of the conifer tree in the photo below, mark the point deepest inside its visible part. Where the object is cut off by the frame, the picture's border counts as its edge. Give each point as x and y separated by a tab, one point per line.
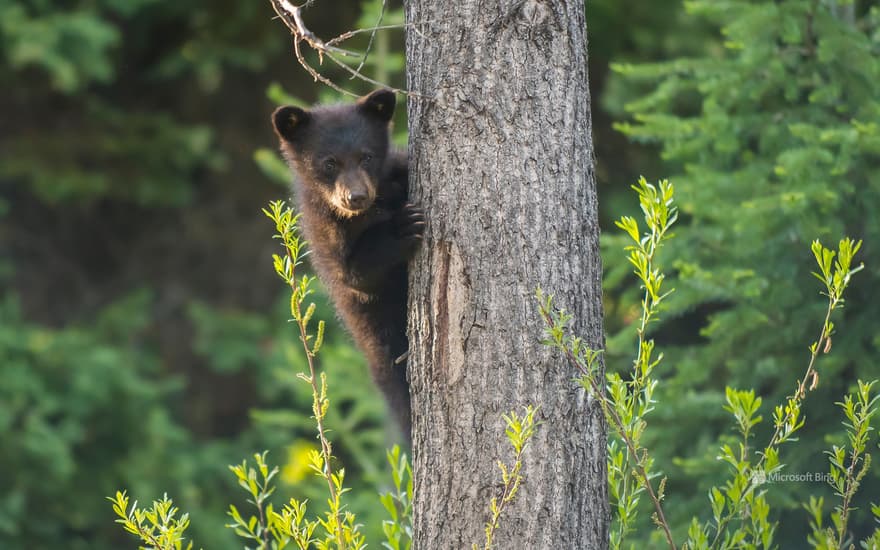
774	135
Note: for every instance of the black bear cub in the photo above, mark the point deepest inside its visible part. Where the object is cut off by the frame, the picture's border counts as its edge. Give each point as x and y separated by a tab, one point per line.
352	193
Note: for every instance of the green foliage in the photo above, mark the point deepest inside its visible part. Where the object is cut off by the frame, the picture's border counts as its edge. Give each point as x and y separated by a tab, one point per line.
258	528
226	338
740	509
338	524
169	155
845	478
271	529
75	143
399	505
78	414
72	47
632	400
276	530
519	431
236	343
626	403
772	130
155	526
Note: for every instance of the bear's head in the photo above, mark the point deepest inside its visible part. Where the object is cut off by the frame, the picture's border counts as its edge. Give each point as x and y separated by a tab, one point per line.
339	151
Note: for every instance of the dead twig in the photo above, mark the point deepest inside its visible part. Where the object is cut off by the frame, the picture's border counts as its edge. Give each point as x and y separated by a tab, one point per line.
348	34
291	16
370	43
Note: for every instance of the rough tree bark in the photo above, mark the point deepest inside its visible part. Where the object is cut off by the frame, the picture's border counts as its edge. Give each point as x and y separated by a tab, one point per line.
501	159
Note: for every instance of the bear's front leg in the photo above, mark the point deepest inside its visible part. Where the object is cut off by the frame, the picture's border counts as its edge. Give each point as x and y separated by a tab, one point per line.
409	225
383	247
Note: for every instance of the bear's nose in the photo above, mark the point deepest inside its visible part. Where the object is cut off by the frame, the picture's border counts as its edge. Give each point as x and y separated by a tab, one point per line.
357	199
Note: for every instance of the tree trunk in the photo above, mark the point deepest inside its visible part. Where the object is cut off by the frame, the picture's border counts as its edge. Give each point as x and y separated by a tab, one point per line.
501	160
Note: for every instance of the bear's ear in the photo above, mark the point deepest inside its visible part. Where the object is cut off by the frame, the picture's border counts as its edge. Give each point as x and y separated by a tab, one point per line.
289	121
379	104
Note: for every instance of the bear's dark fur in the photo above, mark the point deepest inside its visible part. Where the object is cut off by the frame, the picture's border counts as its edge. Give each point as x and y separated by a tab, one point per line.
352	192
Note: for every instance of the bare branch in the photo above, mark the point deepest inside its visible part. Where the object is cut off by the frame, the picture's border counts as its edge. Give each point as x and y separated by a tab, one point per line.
355	73
348	34
370	43
291	16
317	76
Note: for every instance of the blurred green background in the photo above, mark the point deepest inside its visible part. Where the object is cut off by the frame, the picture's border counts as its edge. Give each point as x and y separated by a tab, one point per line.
143	334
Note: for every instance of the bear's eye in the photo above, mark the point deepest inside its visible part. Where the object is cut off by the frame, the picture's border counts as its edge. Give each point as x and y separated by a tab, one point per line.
366	159
330	166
